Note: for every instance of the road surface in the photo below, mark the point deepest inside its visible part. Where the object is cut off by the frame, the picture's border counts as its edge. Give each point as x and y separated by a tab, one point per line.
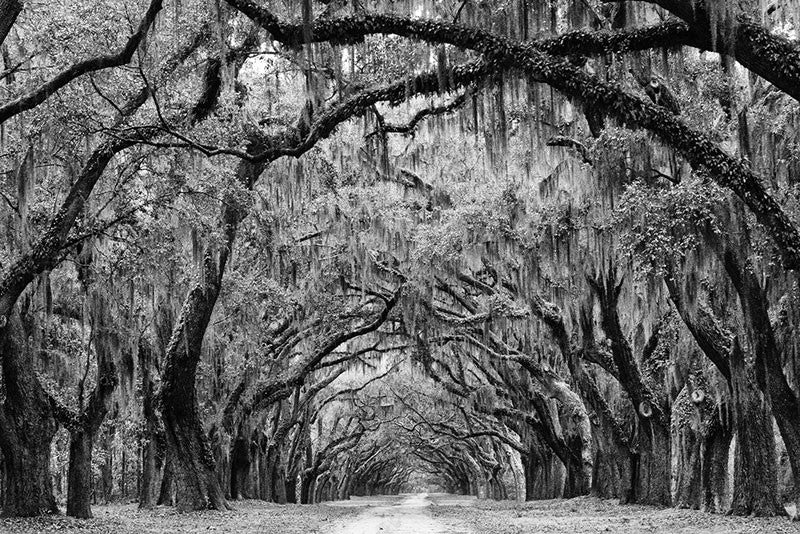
403	514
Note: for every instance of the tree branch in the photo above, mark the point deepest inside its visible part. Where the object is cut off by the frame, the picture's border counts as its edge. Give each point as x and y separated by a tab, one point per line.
38	95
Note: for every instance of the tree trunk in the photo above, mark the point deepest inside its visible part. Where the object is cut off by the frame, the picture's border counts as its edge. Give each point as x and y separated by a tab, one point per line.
197	484
29	491
279	483
578	472
79	477
307	487
758	444
755	486
147	490
107	471
240	467
688	492
715	468
529	468
84	428
27	427
653	470
291	489
166	495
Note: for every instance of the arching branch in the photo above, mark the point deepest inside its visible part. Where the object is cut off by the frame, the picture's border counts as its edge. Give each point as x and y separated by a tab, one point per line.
698	148
41	93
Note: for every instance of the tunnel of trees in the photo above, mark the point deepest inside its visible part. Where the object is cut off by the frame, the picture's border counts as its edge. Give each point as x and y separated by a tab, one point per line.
299	251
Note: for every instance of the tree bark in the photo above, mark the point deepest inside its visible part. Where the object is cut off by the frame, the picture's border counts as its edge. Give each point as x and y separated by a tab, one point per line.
27	427
755	486
196	480
715	467
166	495
767	375
687	424
79	475
9	11
147	491
653	472
651	469
240	466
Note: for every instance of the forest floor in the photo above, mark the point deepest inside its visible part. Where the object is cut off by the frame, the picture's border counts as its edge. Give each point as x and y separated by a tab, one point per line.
409	514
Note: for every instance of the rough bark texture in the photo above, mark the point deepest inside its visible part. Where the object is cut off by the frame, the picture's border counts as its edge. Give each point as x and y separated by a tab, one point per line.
688	491
717	448
755	487
197	486
79	475
166	494
652	469
27	427
769	376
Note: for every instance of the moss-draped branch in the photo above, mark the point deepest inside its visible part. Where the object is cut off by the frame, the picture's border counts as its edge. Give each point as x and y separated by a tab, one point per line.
609	98
774	58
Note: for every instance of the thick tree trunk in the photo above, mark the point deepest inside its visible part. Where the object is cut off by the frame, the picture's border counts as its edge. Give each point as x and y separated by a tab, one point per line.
166	494
578	472
196	479
753	387
279	484
291	489
240	467
529	468
27	427
29	489
79	477
755	486
307	487
652	469
688	492
653	472
715	469
196	482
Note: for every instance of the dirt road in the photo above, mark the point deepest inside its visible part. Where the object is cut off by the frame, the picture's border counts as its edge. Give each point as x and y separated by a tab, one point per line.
404	514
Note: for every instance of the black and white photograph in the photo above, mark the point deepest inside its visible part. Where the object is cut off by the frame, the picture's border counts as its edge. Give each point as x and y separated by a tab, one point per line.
400	266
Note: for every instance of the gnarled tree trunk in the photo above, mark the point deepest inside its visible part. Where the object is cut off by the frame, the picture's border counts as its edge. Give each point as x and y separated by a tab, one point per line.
755	486
27	427
196	483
